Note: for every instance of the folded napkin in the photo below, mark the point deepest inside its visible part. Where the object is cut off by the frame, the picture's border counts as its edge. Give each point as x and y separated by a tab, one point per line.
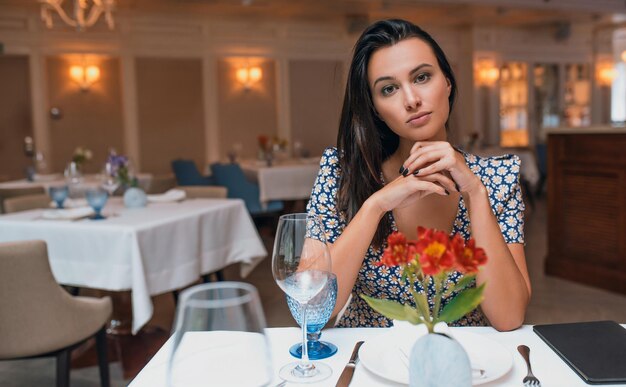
173	195
71	203
68	213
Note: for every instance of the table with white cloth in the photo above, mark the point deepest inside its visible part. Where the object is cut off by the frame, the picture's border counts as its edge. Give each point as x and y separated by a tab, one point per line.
546	364
149	251
88	181
290	179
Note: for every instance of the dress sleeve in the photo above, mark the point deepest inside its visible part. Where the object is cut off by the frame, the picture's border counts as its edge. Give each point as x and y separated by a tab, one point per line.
323	201
507	197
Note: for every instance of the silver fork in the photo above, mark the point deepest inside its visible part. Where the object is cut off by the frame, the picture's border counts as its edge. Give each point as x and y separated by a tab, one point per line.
530	380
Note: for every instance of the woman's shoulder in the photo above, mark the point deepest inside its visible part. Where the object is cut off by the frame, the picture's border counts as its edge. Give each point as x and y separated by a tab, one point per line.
330	158
506	164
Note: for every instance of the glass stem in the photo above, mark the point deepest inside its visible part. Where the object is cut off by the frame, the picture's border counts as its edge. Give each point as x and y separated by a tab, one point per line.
304	362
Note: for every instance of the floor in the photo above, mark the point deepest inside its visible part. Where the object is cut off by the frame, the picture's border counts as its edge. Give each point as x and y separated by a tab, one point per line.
554	300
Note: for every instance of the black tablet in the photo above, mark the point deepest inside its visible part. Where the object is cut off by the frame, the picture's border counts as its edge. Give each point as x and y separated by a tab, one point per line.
596	350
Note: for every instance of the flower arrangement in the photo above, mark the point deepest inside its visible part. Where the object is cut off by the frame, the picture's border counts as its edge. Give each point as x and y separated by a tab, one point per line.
431	259
81	155
120	168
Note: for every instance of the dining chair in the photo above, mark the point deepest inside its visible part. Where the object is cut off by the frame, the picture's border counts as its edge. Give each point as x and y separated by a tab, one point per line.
232	177
209	192
6	193
39	319
161	183
187	173
26	202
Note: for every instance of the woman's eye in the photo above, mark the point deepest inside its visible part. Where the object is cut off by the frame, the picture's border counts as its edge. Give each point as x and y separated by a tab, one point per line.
421	78
387	89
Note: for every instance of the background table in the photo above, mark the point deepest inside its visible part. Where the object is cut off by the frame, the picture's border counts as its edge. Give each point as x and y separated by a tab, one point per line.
149	251
547	366
56	179
291	179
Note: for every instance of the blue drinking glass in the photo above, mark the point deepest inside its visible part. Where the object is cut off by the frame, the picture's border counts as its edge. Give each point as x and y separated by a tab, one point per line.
318	312
59	194
97	198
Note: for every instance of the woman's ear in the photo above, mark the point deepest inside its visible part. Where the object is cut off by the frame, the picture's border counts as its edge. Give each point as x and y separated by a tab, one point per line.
448	86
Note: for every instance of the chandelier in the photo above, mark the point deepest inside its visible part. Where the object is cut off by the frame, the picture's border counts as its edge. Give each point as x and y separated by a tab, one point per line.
80	17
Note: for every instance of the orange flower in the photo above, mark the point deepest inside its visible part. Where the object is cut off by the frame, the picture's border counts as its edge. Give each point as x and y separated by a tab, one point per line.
434	251
468	256
398	251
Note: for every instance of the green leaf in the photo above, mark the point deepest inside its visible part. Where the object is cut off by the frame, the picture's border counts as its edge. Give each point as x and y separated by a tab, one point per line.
464	282
390	309
421	303
462	304
412	315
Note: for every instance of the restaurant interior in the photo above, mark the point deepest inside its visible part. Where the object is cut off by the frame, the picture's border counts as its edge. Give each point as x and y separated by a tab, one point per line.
216	112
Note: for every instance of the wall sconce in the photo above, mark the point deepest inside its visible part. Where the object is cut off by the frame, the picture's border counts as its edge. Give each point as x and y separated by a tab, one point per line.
605	74
84	75
487	74
623	56
248	76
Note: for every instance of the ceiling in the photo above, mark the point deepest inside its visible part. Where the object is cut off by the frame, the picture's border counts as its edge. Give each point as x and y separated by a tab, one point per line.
360	12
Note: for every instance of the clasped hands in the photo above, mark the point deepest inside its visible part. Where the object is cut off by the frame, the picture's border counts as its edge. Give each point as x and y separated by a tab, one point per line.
433	167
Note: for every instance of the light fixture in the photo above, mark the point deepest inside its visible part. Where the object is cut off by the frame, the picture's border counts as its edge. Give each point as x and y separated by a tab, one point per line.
605	74
84	75
623	56
79	18
248	76
486	73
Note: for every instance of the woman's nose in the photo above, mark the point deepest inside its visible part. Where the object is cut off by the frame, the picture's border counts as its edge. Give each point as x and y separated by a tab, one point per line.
411	99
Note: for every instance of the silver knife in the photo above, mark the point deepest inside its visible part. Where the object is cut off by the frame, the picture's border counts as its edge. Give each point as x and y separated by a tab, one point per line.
348	370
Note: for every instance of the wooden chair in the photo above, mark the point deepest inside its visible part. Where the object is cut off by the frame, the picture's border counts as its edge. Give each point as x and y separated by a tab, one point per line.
161	183
39	319
206	192
26	202
6	193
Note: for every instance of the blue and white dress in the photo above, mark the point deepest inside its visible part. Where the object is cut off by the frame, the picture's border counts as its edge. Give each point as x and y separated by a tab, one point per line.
500	175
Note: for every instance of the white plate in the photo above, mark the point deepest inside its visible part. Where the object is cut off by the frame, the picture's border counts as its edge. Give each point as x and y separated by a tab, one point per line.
381	355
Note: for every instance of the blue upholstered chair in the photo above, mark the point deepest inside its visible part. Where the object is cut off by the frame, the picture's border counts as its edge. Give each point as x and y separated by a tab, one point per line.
187	173
231	176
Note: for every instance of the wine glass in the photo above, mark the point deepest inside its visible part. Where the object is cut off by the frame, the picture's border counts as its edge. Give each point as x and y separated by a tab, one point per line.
318	312
59	194
72	173
301	267
218	338
97	198
109	178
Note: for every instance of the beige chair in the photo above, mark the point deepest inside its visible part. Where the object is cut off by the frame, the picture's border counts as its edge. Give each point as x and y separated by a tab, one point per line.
161	183
6	193
26	202
38	318
204	191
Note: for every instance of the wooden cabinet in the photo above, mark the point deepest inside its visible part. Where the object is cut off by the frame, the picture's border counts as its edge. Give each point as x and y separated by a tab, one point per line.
587	208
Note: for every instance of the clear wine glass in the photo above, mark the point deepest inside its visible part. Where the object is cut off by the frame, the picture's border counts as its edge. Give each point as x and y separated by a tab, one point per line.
318	312
218	338
59	194
97	198
301	267
72	173
109	178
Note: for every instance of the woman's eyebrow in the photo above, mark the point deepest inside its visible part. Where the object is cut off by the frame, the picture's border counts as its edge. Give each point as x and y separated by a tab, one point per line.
390	78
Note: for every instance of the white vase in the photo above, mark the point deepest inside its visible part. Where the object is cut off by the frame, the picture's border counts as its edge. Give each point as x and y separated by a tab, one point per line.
439	360
135	198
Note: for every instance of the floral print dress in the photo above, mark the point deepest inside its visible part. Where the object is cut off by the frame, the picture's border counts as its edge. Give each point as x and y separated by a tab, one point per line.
500	175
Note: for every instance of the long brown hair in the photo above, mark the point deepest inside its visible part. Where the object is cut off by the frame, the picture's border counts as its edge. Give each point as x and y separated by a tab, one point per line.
364	141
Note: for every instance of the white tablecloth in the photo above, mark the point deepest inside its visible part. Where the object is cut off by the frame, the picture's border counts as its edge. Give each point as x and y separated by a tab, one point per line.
547	365
285	180
149	251
56	179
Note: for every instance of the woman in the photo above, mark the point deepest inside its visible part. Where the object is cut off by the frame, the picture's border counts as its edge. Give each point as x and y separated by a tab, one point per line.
394	170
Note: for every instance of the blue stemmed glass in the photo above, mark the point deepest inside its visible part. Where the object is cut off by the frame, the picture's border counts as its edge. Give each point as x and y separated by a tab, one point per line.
97	198
318	312
59	194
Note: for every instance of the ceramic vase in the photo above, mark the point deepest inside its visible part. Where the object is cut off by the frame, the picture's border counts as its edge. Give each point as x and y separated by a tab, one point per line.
135	198
439	360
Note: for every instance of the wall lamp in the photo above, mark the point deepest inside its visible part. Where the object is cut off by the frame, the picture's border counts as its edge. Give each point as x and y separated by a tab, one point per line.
249	76
486	73
84	75
605	74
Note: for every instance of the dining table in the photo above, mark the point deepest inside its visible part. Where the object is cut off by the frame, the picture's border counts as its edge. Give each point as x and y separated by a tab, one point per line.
546	364
87	181
151	250
286	179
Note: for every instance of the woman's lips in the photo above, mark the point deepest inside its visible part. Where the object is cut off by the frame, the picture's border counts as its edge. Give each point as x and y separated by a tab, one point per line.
419	120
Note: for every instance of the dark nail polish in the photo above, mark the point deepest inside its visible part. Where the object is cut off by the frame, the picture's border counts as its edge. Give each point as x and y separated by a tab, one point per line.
457	187
405	173
416	172
401	171
446	191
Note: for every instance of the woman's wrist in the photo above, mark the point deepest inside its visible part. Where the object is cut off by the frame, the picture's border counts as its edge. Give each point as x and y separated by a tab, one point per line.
371	208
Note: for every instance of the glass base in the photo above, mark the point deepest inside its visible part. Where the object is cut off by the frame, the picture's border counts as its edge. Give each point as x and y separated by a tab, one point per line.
97	217
317	350
292	373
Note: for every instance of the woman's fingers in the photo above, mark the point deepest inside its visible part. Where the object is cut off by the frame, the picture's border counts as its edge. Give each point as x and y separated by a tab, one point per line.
441	179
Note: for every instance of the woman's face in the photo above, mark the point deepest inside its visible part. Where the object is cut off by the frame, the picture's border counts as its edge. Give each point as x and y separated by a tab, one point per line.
409	90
